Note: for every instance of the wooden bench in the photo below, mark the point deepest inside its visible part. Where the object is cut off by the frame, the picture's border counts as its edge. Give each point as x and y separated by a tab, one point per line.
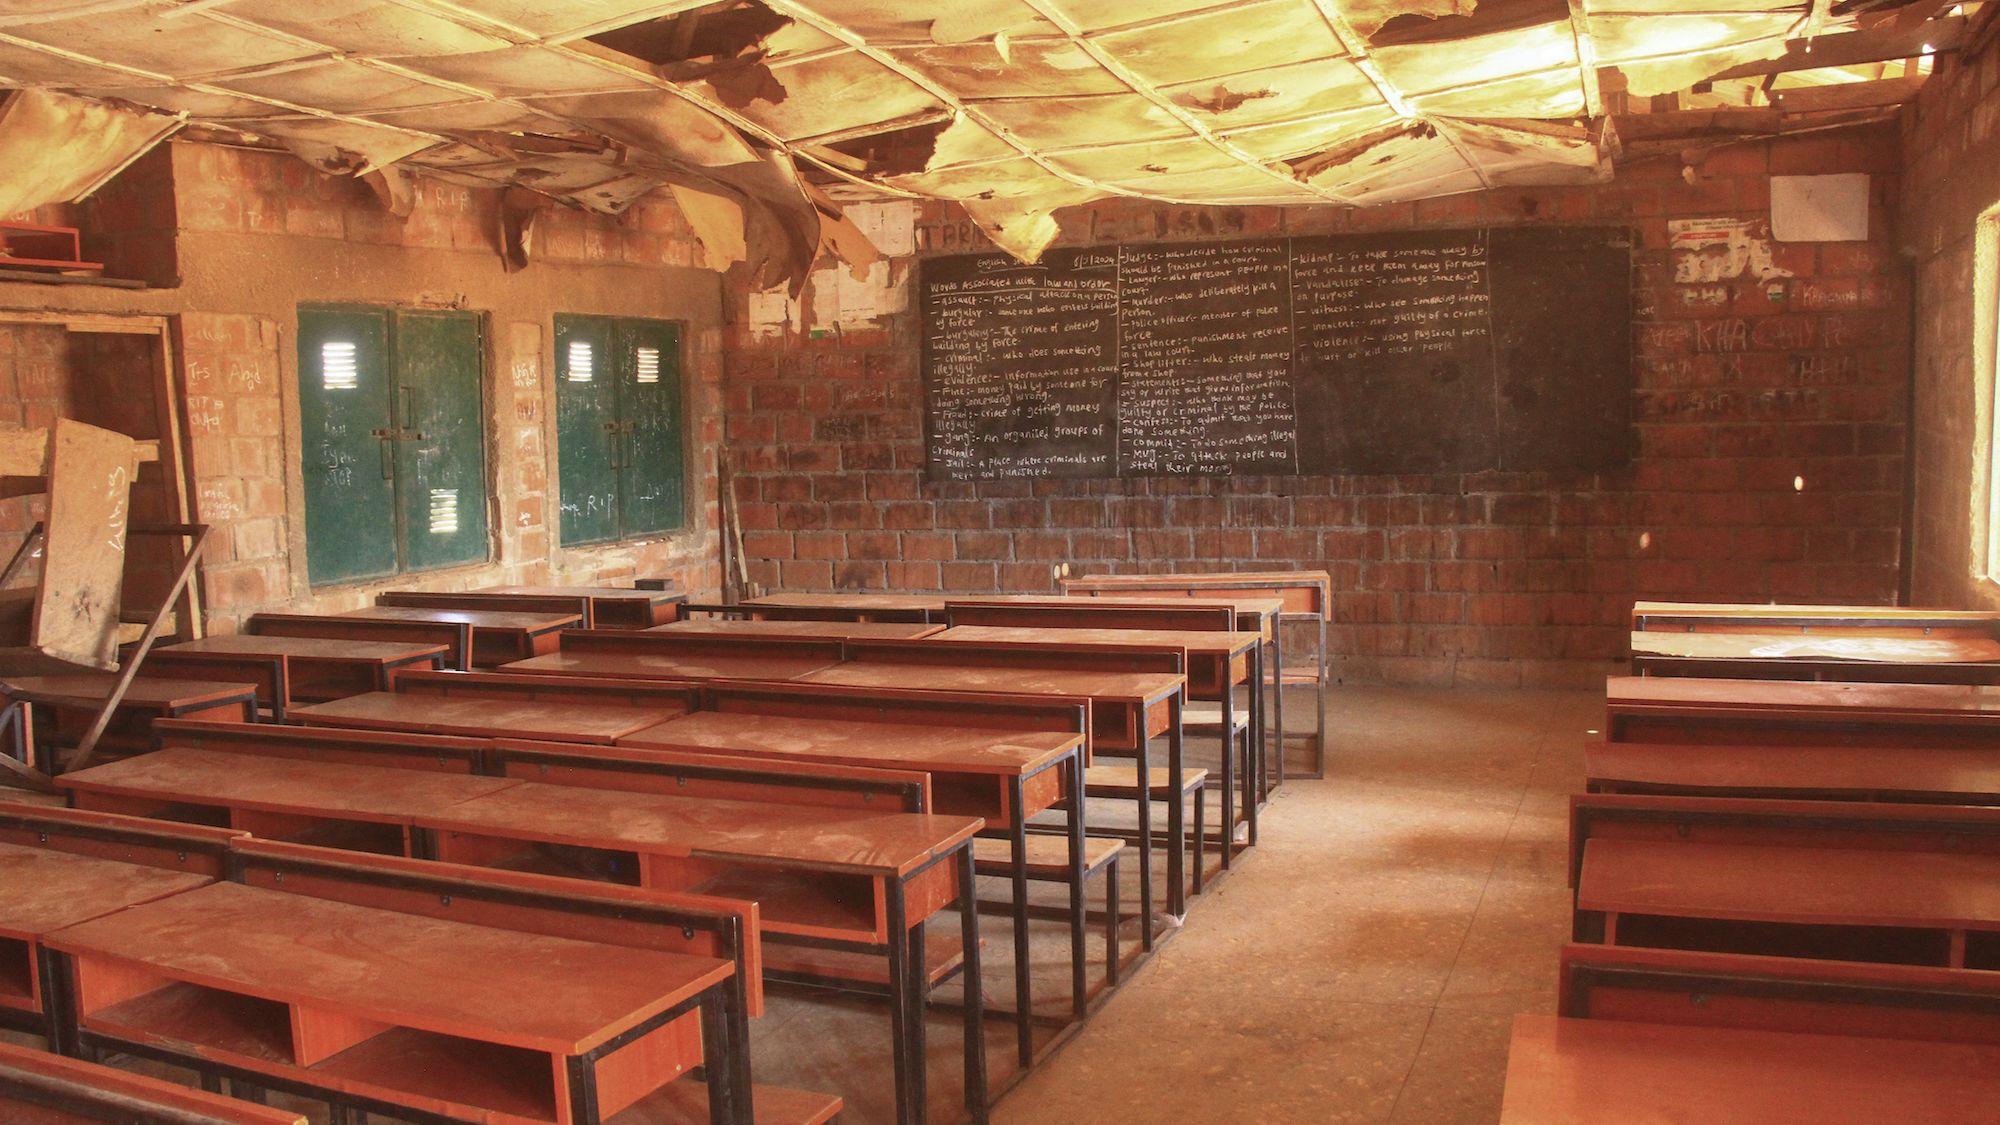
429	1016
1953	775
1001	758
1135	693
1780	993
293	670
1583	1072
38	1088
498	635
1307	597
455	636
1682	710
1916	884
611	607
653	655
64	867
542	605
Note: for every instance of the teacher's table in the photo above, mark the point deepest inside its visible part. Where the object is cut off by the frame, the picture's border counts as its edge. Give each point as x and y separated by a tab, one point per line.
826	878
498	636
484	717
293	670
1002	776
1127	709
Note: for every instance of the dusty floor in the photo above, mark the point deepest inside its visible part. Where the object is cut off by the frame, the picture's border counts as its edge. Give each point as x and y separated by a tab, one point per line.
1361	965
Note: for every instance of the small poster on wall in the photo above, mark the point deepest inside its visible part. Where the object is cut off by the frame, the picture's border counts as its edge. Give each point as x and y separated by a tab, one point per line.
1820	208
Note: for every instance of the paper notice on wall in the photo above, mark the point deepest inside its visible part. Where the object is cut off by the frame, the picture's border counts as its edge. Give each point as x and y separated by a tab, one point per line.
891	226
874	297
1707	250
1820	208
823	299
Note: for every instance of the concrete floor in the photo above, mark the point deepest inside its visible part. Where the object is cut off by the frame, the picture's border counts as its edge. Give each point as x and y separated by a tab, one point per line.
1362	964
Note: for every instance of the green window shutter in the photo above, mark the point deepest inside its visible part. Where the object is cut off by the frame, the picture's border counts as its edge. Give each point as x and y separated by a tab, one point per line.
586	405
344	402
440	459
652	477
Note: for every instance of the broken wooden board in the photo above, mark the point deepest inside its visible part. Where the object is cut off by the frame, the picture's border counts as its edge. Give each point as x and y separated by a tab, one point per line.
83	567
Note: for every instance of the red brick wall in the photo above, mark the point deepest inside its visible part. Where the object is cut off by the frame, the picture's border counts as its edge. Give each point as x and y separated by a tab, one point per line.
1741	387
1951	177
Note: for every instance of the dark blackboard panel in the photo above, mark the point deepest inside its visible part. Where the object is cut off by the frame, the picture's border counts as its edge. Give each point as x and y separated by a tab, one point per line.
1021	365
1394	354
1414	352
1563	348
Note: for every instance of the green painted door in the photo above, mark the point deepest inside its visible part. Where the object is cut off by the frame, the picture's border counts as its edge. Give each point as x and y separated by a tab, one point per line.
345	409
651	460
586	429
440	459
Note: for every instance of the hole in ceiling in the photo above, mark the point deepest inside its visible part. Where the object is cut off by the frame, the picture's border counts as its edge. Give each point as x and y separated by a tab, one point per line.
720	44
896	152
1489	17
1222	99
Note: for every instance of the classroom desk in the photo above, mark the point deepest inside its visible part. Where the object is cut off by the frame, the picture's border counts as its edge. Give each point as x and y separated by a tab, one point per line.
1958	775
279	798
75	698
1217	663
498	636
628	665
1818	656
1002	776
378	1009
1589	1072
863	606
1689	709
1127	709
1307	596
823	877
1878	894
611	607
42	891
293	670
845	630
38	1088
1861	620
483	717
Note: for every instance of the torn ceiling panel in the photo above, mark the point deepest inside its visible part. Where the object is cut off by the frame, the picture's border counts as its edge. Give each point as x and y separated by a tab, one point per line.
1016	106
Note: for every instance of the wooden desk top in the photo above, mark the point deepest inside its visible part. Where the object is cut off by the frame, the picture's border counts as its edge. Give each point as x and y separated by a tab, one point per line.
1965	773
961	750
504	986
847	841
43	890
382	794
1139	688
1900	699
626	665
91	689
855	630
496	619
1817	646
1768	883
1885	613
483	717
1209	578
28	1076
1595	1072
1196	642
308	648
594	593
854	601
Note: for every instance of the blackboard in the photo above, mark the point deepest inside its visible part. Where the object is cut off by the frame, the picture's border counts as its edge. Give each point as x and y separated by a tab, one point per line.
1414	352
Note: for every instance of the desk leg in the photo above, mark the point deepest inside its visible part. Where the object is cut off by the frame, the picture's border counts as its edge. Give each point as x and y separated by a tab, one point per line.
1144	762
909	1108
59	1013
719	1057
582	1088
1254	790
1319	700
1023	975
1176	808
1078	914
1277	698
975	1004
1228	776
917	990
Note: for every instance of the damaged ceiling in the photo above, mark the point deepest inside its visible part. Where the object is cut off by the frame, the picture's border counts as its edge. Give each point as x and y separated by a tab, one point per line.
762	116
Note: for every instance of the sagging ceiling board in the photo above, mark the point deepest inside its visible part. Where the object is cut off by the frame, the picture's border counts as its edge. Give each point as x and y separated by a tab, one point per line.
780	110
